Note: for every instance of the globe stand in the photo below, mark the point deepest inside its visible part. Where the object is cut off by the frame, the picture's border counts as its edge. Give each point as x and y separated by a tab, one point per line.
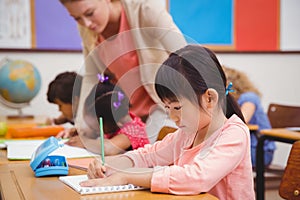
20	115
17	106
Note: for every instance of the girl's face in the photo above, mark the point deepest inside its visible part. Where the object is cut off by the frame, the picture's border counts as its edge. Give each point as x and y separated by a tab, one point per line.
65	109
93	14
187	116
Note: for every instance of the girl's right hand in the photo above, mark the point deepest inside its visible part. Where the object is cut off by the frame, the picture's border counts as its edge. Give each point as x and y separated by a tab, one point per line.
96	169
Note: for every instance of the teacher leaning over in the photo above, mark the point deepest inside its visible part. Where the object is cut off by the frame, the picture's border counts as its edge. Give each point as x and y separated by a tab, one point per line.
130	39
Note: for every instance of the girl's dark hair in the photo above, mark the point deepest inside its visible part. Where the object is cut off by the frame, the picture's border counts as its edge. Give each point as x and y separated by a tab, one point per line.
64	87
104	101
189	72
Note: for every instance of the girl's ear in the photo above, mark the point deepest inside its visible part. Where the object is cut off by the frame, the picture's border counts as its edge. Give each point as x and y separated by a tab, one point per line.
210	98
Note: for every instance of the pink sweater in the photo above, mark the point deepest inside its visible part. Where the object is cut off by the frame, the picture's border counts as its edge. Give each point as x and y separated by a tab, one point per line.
221	165
134	130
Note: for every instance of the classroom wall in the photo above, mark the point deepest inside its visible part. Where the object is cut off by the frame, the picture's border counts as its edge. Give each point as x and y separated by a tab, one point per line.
276	75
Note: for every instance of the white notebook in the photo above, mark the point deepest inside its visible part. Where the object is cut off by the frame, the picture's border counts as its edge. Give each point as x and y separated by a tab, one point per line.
23	150
73	182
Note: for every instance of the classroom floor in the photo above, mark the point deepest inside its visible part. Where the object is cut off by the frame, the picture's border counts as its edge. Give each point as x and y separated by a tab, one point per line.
272	183
272	188
272	194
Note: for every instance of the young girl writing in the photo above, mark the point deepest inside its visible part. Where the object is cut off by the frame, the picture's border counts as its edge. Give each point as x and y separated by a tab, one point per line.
122	129
210	151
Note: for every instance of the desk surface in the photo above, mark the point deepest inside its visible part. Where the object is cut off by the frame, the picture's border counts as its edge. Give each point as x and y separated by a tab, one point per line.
281	133
35	119
17	182
276	134
4	160
253	127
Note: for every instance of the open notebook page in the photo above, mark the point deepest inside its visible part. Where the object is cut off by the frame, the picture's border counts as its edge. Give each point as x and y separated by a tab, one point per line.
74	183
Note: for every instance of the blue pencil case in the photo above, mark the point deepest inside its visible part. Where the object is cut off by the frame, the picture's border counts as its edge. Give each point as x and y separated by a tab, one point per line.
44	164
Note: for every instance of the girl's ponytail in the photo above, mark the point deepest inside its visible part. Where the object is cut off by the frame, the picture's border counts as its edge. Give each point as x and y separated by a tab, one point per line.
232	107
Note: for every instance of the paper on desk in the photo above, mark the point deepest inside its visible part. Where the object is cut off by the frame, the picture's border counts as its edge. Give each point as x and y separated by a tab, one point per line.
293	129
80	163
23	150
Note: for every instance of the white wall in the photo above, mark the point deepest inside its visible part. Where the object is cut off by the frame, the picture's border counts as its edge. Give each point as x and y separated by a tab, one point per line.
276	75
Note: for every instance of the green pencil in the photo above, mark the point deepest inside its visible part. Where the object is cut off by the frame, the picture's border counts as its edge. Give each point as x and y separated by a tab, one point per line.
102	140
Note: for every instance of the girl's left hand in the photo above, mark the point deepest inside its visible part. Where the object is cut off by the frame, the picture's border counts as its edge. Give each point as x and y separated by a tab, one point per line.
67	133
75	141
117	178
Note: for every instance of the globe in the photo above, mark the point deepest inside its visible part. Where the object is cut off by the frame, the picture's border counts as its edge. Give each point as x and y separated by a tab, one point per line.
20	81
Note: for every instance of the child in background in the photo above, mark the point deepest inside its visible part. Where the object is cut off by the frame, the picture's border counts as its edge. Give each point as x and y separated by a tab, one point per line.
64	91
210	151
122	129
248	97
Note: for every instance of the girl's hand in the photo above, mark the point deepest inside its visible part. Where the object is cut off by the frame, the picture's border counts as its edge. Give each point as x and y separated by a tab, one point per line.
67	133
75	141
113	179
96	169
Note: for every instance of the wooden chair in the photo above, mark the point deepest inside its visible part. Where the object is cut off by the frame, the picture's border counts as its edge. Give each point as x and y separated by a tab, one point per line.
164	131
290	183
282	116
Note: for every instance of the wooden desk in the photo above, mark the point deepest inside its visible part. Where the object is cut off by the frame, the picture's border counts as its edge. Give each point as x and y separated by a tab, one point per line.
253	127
278	134
35	119
3	157
4	160
17	182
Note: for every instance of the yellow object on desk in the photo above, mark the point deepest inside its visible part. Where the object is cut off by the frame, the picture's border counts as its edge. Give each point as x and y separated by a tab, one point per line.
3	129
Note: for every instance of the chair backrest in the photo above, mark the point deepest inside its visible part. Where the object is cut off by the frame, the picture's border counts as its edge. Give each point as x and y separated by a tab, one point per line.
164	131
290	183
282	116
